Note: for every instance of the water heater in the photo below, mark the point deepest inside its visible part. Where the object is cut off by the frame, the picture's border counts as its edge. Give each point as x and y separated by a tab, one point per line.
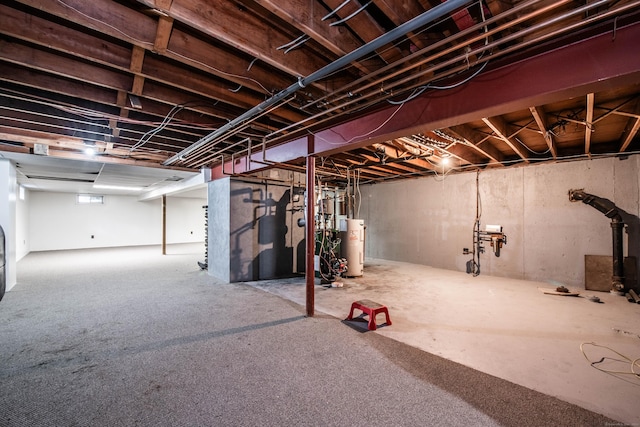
352	245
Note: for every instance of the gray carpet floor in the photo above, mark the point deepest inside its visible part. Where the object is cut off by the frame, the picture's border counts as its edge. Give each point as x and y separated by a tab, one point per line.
128	337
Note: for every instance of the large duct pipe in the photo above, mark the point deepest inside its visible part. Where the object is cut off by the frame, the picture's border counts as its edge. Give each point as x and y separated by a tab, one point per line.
610	210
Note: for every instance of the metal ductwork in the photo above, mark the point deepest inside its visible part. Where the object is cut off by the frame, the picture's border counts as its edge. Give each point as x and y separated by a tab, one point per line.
610	210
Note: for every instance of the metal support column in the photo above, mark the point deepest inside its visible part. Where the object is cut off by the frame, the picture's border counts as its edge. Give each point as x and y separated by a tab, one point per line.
164	224
310	234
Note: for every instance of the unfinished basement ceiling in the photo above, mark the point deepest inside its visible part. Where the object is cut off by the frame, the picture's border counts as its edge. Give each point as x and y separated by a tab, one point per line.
169	83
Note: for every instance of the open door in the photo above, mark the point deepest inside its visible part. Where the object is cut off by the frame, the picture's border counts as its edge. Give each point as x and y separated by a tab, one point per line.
3	274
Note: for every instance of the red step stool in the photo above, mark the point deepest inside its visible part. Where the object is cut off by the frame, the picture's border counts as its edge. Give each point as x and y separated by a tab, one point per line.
371	309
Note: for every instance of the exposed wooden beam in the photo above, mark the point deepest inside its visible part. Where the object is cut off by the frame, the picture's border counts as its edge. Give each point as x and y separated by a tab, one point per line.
478	142
134	28
137	59
113	55
364	25
401	13
51	63
102	77
232	25
540	117
55	84
500	129
589	123
419	163
163	34
630	132
307	17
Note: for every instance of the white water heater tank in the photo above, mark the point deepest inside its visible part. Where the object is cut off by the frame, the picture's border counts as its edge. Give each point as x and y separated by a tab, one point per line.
352	245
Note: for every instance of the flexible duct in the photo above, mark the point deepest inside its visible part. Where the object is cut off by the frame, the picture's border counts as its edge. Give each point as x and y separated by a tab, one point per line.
610	210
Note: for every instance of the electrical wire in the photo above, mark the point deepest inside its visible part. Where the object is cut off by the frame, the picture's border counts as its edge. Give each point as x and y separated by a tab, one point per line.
625	359
148	44
219	71
391	116
532	151
151	133
482	67
475	262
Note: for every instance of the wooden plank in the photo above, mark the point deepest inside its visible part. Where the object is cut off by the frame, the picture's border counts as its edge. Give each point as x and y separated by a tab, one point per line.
478	142
232	25
165	25
365	26
499	127
307	17
105	17
46	61
553	291
540	117
597	272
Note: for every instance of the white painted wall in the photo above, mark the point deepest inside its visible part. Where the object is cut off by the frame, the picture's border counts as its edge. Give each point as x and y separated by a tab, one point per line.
22	224
430	221
185	220
57	222
8	189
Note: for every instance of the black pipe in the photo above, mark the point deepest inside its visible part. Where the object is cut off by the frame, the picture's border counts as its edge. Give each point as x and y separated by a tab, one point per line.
610	210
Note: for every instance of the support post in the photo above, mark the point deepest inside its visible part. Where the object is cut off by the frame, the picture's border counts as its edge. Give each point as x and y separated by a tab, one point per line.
310	234
164	224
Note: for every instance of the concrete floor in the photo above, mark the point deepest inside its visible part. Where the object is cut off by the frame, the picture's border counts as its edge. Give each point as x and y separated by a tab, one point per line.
504	327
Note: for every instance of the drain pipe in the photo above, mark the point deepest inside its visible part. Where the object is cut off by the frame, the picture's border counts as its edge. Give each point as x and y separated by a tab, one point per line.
610	210
414	24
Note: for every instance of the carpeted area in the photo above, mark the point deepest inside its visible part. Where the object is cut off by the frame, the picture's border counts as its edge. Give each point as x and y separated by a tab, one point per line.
128	337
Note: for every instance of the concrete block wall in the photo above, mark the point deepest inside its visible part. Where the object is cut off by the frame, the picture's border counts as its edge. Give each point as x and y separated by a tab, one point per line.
219	212
430	220
253	231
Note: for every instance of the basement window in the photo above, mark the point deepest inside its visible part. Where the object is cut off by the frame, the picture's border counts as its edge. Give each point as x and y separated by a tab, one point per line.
85	199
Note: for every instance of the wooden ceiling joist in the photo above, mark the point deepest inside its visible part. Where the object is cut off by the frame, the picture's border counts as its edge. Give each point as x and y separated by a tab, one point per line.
540	117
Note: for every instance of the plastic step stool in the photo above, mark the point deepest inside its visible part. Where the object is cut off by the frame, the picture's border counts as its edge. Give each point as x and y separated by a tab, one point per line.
370	308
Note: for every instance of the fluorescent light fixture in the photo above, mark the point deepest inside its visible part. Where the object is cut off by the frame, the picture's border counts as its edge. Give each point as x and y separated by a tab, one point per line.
117	187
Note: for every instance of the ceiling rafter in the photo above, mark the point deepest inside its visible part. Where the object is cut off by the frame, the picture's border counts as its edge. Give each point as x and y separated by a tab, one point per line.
540	117
500	128
479	142
588	131
308	19
632	127
242	30
141	30
88	47
364	25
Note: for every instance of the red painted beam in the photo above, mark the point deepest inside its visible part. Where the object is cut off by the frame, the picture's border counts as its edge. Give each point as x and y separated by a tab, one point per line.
591	65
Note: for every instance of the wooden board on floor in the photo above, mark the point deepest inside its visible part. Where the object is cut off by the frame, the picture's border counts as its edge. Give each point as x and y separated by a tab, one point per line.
552	291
